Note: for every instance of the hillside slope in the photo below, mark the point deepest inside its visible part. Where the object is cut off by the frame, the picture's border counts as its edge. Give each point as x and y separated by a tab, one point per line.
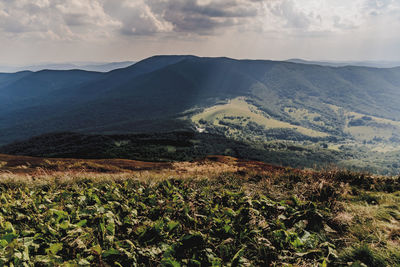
164	87
336	107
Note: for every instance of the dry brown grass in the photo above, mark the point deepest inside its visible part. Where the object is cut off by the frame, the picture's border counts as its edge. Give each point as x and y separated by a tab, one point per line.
23	164
19	169
372	218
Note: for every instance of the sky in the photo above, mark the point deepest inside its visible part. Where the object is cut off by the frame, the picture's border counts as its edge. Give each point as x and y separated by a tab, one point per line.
37	31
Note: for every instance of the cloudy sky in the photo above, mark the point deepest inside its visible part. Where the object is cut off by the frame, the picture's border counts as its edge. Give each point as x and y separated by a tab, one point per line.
35	31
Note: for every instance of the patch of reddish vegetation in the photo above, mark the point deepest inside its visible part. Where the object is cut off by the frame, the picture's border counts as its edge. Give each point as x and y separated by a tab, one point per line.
24	164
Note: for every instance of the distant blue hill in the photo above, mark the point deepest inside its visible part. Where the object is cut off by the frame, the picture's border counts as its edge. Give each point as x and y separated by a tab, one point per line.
88	66
372	64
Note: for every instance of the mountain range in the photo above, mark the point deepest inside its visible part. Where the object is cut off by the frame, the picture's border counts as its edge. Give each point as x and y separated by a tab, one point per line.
338	108
88	66
371	63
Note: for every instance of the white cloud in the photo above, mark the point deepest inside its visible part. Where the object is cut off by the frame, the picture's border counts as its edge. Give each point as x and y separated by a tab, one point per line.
135	17
237	27
313	15
204	17
55	19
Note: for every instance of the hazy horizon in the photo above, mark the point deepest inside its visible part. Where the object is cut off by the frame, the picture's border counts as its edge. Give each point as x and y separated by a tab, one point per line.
83	63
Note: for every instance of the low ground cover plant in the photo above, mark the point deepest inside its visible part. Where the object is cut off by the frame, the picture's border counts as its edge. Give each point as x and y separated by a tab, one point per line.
289	218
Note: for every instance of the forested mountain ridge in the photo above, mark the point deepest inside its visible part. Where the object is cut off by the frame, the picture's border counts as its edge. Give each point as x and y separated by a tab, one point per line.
333	107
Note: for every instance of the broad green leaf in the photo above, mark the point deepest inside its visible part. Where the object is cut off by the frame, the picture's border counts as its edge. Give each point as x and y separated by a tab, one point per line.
170	263
83	262
3	243
8	227
97	249
81	223
64	225
9	237
110	252
172	225
54	248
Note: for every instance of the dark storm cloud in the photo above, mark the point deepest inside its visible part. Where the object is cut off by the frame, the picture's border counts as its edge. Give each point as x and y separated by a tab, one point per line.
189	16
216	9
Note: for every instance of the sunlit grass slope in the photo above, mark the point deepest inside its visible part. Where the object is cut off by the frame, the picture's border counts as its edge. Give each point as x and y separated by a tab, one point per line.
239	112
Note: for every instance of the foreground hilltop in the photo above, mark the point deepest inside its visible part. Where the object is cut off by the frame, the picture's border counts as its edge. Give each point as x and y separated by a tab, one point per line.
214	211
